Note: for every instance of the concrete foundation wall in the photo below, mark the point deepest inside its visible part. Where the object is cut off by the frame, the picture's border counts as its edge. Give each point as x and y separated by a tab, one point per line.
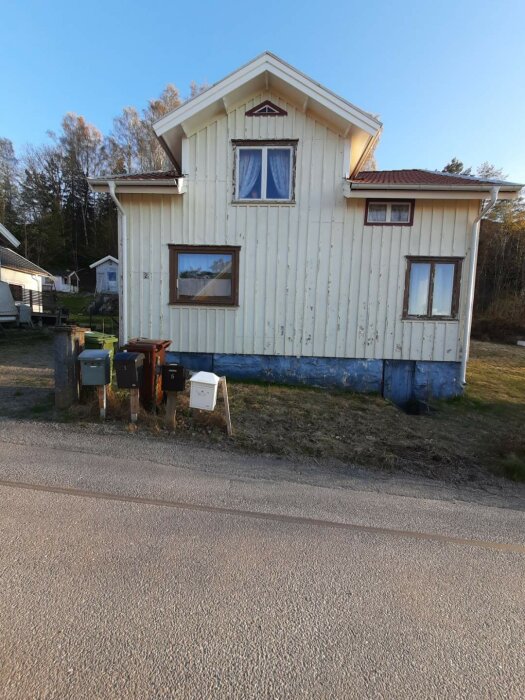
400	381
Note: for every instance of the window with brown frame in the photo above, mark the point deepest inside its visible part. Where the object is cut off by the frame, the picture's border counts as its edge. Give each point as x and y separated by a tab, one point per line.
264	171
394	212
204	275
432	288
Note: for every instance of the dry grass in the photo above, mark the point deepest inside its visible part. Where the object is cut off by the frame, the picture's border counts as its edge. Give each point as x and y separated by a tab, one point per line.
461	440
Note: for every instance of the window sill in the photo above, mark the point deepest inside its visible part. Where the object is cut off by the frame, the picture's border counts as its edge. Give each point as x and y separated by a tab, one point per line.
389	223
448	319
211	305
263	202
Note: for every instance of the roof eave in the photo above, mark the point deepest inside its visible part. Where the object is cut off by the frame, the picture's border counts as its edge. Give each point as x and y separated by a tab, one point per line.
124	186
41	272
363	190
12	240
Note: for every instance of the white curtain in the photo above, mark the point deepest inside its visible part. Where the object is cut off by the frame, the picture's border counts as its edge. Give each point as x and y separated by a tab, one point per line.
279	165
250	161
419	286
443	289
376	213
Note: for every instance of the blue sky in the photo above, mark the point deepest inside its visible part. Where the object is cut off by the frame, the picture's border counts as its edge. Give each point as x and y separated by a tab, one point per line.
446	77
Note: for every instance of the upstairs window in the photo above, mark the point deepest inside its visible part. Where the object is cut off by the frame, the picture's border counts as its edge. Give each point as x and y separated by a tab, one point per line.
432	288
389	213
264	171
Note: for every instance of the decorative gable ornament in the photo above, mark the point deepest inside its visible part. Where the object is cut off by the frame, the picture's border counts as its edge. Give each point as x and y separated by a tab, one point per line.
266	109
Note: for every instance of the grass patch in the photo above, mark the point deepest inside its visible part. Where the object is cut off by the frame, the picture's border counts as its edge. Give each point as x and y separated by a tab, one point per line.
513	466
464	439
461	440
78	306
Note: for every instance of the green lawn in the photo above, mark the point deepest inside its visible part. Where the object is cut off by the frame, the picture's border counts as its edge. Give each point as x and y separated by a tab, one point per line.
78	313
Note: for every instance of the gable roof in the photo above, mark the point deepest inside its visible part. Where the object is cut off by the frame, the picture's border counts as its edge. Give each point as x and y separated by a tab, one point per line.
8	236
266	72
14	261
103	260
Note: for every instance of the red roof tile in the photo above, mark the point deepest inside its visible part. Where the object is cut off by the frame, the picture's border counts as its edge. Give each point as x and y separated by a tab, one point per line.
419	177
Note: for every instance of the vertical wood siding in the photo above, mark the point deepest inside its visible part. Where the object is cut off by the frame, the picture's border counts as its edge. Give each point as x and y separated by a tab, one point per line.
314	281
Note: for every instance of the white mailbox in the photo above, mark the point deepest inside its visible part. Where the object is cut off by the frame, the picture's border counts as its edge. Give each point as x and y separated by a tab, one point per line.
203	392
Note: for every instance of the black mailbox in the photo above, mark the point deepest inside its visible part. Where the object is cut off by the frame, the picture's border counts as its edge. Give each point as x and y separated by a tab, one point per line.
174	377
129	369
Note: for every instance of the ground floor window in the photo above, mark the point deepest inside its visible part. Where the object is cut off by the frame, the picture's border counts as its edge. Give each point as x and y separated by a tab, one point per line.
432	288
204	275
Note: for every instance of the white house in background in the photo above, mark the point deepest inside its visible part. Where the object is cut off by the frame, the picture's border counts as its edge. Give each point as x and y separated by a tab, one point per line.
25	279
67	282
8	310
107	274
269	251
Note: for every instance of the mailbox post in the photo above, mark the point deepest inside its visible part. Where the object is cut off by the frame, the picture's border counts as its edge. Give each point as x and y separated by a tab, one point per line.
129	367
95	370
173	379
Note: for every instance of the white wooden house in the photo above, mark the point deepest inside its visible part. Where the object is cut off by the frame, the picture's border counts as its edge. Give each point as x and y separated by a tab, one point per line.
107	274
67	282
26	279
269	252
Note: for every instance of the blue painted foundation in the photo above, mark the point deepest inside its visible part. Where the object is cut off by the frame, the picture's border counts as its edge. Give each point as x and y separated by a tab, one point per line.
401	381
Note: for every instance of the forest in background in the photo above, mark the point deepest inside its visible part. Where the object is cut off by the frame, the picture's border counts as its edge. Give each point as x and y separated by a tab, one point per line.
45	201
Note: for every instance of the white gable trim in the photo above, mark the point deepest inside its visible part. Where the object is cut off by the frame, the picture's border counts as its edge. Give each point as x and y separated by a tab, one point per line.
103	260
267	63
9	236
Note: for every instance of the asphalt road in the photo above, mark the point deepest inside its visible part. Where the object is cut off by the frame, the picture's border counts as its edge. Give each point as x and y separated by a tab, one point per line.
138	570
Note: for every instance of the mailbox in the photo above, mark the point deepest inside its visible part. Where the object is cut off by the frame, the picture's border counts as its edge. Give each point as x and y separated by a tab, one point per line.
129	367
154	354
203	393
94	367
174	377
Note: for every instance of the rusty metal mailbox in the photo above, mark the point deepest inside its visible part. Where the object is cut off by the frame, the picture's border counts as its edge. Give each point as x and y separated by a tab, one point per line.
154	356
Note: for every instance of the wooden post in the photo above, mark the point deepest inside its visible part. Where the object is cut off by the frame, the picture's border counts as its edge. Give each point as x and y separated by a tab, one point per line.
171	410
224	387
101	391
134	404
69	343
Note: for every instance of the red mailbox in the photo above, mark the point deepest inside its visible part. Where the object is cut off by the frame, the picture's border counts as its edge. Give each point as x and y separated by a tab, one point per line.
154	357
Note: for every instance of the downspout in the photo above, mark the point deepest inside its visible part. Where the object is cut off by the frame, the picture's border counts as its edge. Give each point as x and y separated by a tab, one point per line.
123	262
474	243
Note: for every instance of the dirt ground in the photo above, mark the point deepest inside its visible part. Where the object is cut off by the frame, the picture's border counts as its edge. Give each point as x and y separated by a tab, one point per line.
26	373
478	437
